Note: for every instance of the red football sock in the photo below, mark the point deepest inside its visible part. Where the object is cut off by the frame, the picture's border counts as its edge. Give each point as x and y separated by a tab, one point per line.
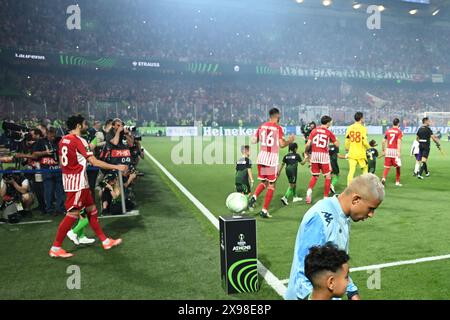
386	172
397	175
64	227
93	222
326	191
260	188
312	182
268	198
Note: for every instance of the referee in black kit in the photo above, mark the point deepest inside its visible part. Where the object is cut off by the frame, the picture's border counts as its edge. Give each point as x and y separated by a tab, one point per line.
423	137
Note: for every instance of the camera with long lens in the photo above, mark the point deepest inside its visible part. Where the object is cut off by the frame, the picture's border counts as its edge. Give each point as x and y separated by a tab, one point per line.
16	132
133	131
107	180
7	176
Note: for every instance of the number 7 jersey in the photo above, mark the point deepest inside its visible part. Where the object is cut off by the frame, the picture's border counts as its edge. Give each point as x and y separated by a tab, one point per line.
269	135
393	136
73	154
320	138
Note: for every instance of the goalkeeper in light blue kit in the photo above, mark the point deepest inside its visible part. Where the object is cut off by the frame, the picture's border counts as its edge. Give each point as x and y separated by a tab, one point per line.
329	221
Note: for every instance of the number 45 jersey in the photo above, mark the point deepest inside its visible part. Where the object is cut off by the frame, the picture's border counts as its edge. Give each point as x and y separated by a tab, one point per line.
73	154
320	138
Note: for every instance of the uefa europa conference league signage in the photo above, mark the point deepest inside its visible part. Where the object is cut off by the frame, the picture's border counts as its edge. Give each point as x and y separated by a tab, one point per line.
208	68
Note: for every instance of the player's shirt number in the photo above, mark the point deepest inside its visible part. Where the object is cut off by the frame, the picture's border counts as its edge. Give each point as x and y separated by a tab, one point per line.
320	141
64	159
392	138
267	139
355	136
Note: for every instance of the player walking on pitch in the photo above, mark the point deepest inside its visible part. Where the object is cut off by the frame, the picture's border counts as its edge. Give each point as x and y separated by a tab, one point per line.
318	141
356	145
74	154
393	141
270	136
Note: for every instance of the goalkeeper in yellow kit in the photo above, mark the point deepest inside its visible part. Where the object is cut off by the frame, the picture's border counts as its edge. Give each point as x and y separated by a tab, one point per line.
356	145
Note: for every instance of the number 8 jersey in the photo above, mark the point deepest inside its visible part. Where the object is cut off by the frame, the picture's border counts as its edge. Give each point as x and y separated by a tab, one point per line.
73	154
320	139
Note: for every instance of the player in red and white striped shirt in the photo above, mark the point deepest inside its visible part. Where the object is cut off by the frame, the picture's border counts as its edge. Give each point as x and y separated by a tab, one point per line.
270	137
318	141
393	141
74	154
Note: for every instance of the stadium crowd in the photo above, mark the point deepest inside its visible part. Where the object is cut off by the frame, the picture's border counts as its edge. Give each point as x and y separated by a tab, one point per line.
223	34
26	149
211	101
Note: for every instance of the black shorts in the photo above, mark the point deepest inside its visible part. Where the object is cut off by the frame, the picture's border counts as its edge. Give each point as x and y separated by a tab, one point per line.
334	167
424	151
291	176
243	188
372	166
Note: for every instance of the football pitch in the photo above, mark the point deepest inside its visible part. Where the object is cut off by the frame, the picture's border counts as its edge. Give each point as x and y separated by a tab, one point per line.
171	250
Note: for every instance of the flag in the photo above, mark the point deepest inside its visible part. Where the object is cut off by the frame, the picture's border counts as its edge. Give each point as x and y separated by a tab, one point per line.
375	101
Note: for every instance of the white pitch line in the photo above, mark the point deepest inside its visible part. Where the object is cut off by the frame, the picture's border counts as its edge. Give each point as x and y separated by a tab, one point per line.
393	264
400	263
270	278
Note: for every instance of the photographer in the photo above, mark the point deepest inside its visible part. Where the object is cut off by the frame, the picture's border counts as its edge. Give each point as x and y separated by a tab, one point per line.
16	195
46	152
137	152
118	142
111	196
119	137
25	154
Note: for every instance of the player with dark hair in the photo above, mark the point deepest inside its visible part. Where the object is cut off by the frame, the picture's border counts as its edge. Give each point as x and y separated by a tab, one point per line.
244	176
391	149
291	161
424	134
329	221
270	136
327	268
318	140
74	153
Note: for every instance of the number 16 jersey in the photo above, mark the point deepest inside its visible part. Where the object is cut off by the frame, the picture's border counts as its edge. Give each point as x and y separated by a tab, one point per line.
269	135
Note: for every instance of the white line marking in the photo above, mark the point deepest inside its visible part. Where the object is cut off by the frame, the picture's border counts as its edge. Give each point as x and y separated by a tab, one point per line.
393	264
400	263
270	278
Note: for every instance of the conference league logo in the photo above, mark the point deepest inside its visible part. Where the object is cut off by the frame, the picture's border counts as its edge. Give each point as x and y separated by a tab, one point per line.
242	245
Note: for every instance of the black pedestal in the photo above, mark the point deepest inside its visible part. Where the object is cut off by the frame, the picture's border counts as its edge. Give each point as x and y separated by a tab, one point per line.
238	257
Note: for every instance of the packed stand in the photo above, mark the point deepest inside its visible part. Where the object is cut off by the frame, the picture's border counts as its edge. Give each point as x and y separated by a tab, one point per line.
180	32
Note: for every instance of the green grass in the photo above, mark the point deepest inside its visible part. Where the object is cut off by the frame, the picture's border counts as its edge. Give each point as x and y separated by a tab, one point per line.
411	223
171	251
